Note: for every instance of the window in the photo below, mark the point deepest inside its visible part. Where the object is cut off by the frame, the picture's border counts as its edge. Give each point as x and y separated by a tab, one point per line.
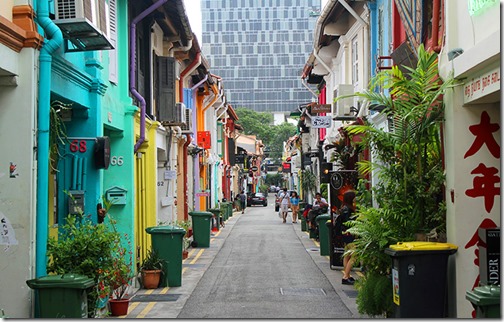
113	39
355	62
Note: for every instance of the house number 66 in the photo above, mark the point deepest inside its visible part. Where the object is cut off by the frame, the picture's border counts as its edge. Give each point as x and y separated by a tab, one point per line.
116	161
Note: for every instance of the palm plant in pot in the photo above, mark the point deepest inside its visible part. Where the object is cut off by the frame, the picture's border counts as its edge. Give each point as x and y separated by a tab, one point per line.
407	161
151	270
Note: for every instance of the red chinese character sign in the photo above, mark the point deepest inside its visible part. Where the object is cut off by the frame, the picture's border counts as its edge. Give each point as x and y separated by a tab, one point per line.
486	180
482	186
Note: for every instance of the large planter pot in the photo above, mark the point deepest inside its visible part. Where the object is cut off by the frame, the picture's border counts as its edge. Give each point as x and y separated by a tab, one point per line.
119	307
150	278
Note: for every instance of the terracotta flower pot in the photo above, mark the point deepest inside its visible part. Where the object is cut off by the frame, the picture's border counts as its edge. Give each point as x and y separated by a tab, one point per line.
150	278
119	307
185	254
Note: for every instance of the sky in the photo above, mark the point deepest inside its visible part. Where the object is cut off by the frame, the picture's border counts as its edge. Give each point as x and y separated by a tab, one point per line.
193	11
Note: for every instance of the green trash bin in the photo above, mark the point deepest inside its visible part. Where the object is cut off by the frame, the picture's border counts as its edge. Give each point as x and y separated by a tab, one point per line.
419	278
201	221
323	234
62	296
225	213
215	218
486	300
167	241
304	226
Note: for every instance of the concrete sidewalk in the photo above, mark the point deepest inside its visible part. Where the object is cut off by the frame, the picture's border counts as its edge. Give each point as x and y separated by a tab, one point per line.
200	259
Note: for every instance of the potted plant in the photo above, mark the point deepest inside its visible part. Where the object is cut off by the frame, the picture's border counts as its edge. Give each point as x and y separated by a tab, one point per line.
186	224
407	160
93	250
151	270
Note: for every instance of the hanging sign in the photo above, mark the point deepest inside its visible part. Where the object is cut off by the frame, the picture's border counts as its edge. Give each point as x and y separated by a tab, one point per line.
321	122
321	108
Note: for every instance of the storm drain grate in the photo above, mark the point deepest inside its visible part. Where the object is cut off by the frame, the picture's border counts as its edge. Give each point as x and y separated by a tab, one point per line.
313	249
302	291
156	298
351	293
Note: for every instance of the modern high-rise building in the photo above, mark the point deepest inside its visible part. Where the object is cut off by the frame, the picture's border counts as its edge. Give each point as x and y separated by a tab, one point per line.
259	48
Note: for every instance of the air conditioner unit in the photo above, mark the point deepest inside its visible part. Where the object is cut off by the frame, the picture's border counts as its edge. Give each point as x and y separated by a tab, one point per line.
85	23
187	126
343	107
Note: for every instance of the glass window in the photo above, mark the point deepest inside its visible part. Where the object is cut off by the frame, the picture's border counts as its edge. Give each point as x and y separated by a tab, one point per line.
355	62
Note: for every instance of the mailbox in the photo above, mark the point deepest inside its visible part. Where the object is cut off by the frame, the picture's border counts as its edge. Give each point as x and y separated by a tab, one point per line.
76	202
116	195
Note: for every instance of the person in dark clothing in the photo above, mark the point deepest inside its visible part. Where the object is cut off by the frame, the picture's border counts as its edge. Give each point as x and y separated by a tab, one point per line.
243	200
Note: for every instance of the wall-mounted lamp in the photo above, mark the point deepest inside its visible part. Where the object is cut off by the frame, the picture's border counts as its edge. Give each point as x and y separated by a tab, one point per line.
452	54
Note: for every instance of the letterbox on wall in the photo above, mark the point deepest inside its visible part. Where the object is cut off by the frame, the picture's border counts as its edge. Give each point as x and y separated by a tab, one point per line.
204	139
75	202
116	195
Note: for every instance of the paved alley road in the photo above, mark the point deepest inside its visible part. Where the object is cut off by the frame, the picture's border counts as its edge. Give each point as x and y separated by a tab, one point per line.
263	270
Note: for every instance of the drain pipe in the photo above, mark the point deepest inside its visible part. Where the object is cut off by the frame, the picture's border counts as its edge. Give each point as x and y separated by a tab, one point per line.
435	26
303	81
53	33
187	71
133	90
196	183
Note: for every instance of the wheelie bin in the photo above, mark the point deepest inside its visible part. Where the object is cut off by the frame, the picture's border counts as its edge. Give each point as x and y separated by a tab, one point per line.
303	220
215	218
419	278
486	300
167	241
225	213
62	296
201	221
323	234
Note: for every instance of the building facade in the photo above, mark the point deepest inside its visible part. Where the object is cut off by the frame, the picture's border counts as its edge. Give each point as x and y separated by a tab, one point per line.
260	47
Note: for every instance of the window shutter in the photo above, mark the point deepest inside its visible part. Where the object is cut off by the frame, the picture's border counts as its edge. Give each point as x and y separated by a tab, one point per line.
165	101
113	39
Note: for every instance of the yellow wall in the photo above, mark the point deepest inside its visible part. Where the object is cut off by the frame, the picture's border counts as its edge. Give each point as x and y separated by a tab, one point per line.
145	187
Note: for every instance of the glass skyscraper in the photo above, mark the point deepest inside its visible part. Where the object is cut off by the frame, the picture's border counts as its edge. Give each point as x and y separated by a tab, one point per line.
259	48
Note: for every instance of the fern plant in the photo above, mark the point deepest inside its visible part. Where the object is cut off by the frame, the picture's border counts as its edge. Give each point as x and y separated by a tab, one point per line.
407	162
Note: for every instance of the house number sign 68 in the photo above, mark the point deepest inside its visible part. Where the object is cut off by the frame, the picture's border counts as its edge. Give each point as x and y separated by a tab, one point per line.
115	160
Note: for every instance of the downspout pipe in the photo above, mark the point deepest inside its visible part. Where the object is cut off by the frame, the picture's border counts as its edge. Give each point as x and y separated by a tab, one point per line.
435	26
199	83
132	73
187	71
55	39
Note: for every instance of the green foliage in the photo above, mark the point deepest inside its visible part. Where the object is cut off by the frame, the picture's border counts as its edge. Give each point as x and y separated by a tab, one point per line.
375	295
264	188
152	261
308	182
95	251
408	165
57	132
274	179
261	125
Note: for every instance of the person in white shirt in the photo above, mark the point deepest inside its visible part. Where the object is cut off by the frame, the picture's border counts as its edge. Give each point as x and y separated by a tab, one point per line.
284	204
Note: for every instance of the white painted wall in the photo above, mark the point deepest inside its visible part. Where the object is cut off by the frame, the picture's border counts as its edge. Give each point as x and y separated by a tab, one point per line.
479	38
18	192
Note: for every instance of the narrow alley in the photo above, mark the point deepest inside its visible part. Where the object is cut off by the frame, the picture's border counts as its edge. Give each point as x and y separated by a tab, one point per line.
256	267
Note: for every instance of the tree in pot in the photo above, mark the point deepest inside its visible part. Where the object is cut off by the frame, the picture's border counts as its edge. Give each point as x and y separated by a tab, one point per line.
151	270
407	161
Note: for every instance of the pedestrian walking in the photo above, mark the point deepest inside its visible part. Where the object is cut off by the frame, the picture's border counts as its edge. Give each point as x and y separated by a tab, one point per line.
294	205
284	204
243	200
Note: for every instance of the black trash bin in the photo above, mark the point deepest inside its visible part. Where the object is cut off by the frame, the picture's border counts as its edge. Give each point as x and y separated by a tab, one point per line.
419	278
62	296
